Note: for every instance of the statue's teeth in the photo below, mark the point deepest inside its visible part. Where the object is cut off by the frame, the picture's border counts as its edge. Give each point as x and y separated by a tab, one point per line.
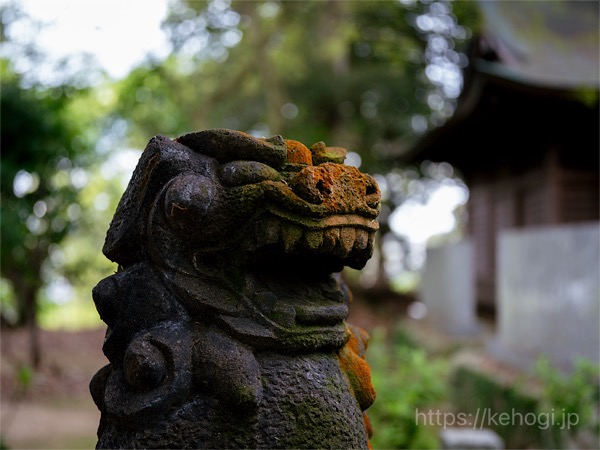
370	243
291	235
340	241
346	242
362	239
313	239
331	236
269	232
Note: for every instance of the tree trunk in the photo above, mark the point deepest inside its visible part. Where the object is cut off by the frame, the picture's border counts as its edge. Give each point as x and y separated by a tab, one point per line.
26	299
35	353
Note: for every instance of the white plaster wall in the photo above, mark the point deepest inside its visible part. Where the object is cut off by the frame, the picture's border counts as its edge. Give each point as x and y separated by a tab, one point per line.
548	294
448	289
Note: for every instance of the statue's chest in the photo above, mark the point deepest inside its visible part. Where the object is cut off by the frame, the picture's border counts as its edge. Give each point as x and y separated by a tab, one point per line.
306	403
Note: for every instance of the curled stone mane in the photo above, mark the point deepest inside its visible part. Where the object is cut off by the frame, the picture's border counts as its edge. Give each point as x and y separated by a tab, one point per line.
226	319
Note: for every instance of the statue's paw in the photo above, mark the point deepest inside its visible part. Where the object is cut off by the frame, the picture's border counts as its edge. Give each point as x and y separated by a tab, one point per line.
153	376
98	385
229	369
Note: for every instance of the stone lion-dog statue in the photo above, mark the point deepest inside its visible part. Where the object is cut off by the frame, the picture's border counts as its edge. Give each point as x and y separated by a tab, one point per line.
226	318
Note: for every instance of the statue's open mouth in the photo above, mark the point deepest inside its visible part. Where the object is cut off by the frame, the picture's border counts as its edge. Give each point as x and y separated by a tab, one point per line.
325	215
337	235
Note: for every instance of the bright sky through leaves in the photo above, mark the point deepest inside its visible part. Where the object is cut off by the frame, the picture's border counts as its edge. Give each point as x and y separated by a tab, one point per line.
118	33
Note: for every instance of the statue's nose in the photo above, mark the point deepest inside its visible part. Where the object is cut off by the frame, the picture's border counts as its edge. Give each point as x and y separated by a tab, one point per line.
314	184
339	187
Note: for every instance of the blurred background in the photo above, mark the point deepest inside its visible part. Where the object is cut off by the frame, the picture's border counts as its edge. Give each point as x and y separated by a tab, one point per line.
479	120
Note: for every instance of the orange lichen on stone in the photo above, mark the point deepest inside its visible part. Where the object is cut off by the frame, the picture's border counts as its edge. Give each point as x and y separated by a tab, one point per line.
368	426
298	153
358	341
334	186
357	371
356	368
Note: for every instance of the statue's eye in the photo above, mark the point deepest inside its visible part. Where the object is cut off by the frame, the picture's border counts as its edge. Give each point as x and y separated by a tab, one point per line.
238	173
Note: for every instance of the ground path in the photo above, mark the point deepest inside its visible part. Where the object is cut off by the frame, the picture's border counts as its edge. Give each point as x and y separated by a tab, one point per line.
54	409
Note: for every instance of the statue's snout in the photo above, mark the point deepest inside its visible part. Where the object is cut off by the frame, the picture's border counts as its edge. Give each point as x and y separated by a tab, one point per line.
341	187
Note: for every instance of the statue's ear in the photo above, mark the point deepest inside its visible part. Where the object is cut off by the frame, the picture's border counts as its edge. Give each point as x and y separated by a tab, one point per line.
162	160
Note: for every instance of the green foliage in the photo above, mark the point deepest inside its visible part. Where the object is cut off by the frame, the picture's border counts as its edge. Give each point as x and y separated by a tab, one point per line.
406	380
477	391
541	418
7	301
587	96
571	397
348	73
25	377
44	145
468	14
151	100
49	134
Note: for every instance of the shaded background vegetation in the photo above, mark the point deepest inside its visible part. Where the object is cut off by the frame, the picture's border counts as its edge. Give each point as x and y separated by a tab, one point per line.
371	76
368	76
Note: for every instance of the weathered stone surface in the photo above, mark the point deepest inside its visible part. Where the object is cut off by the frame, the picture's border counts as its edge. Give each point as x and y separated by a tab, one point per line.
226	320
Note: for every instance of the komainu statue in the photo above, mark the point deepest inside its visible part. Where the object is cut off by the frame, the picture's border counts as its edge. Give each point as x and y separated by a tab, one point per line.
226	317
